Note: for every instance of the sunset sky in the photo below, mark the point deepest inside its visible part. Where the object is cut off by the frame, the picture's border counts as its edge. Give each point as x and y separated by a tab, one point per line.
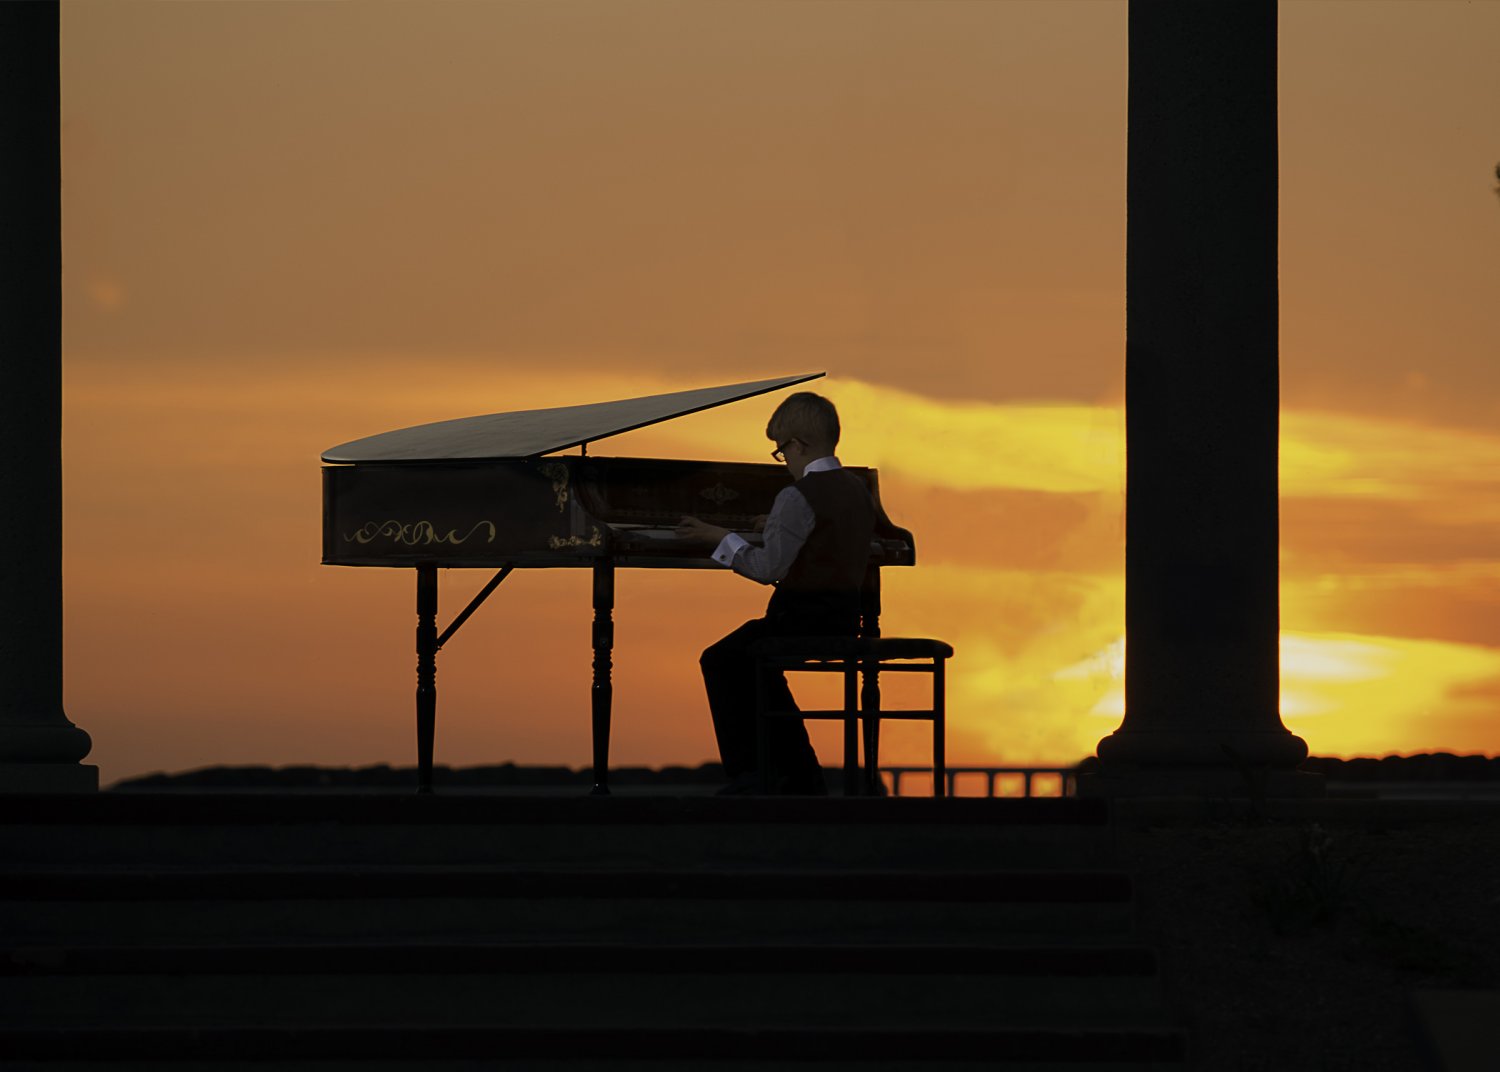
289	225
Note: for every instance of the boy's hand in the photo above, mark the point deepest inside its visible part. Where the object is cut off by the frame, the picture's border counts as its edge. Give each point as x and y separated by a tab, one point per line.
690	528
759	522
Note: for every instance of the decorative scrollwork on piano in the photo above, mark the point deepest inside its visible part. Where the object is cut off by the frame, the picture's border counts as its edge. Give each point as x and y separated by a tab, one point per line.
558	474
719	494
562	543
415	533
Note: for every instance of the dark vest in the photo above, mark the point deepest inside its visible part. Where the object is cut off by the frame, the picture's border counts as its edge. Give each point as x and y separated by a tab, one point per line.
821	589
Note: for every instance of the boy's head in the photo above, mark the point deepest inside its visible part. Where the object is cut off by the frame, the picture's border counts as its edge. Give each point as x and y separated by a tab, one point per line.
808	418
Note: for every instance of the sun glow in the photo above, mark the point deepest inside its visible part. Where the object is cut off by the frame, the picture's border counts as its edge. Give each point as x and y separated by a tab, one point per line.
1343	456
1351	694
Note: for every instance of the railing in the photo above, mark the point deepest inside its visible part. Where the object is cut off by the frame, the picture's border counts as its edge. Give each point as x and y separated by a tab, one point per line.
1067	780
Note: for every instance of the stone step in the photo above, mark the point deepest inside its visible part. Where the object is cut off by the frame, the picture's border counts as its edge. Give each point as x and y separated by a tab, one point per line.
586	986
248	828
472	932
123	906
403	1049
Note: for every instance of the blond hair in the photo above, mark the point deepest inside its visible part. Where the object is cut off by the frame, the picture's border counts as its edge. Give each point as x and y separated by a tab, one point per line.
805	416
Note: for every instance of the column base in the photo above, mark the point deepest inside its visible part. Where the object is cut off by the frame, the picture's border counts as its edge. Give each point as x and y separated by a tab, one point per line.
48	778
1231	749
52	740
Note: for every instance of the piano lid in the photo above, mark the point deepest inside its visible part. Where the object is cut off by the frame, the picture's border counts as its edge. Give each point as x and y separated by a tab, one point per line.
528	433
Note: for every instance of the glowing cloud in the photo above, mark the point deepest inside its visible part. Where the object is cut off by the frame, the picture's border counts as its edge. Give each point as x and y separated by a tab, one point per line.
1343	693
1337	455
1348	694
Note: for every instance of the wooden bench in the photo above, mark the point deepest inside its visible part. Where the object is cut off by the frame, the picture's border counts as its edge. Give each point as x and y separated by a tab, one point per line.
856	658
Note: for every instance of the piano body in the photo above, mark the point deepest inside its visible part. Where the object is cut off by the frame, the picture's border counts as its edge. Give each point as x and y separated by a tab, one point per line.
490	493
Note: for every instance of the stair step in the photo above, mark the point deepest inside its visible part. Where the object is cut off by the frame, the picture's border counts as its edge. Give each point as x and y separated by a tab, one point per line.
251	828
593	986
217	906
1071	887
577	1050
706	997
587	919
221	809
538	959
360	931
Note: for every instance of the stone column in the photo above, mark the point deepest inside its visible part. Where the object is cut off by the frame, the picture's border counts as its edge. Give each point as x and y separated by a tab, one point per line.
1202	619
39	748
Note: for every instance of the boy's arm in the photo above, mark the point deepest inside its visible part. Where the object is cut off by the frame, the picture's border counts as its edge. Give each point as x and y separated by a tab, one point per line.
786	530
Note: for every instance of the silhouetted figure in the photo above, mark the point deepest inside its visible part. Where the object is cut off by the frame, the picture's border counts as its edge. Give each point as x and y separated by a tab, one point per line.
816	547
492	491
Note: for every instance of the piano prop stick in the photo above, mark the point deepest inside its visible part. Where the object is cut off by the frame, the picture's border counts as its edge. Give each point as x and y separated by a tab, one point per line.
492	492
429	643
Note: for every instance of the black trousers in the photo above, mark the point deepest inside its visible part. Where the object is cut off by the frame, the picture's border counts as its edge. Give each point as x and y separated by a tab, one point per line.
729	677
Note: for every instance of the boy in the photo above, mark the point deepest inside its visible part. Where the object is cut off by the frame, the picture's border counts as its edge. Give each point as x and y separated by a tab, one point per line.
816	549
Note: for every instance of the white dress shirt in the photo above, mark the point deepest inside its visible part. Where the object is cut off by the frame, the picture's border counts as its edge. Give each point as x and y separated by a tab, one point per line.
788	526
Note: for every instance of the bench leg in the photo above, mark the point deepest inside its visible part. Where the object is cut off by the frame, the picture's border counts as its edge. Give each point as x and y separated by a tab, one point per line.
851	738
872	752
870	700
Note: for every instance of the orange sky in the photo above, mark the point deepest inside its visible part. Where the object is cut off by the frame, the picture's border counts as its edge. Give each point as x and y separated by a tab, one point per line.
290	225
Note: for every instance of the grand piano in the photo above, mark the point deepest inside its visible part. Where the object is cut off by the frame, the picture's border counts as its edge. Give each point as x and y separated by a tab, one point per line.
492	492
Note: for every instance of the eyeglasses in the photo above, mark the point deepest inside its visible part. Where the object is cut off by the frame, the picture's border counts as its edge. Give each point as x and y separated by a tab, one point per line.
779	453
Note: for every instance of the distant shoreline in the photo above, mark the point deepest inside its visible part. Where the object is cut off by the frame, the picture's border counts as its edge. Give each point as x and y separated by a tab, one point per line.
1426	768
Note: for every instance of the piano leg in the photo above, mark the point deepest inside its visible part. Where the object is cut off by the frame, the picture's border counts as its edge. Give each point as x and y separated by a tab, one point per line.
426	673
602	693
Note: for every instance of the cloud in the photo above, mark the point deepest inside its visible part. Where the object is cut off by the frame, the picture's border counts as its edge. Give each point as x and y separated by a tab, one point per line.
1357	694
1390	528
1346	693
1036	446
964	446
1455	472
1014	633
1415	538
